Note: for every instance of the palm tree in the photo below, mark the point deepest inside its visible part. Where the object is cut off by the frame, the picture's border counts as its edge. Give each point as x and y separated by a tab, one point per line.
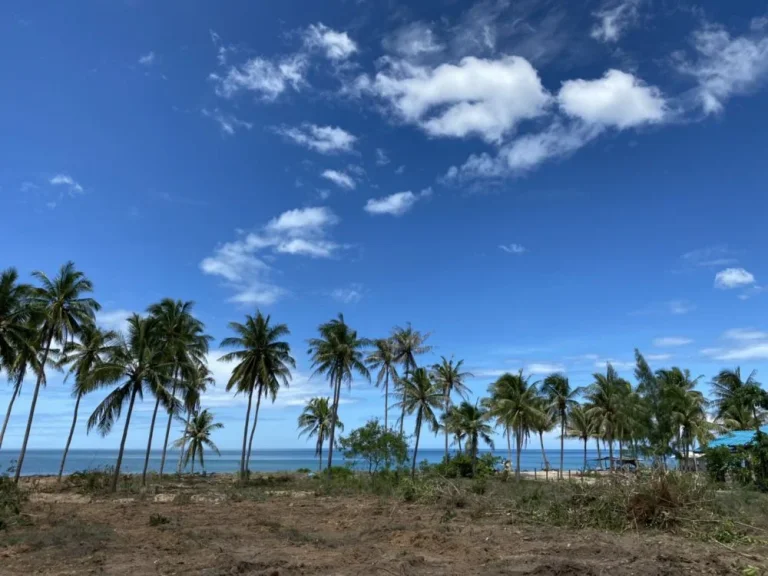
560	399
450	422
264	362
580	426
542	423
409	343
449	378
27	357
382	358
193	388
606	397
15	314
336	354
689	414
64	310
198	433
420	395
472	420
514	404
85	355
183	341
315	421
135	365
730	391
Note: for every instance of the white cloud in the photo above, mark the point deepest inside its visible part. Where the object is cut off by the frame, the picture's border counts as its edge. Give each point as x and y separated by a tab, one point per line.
476	97
412	41
299	232
744	334
758	351
228	123
544	368
657	357
709	256
513	248
67	180
381	157
614	19
268	79
341	179
335	45
733	278
618	99
113	319
680	306
671	342
725	66
147	59
349	295
617	364
395	204
323	139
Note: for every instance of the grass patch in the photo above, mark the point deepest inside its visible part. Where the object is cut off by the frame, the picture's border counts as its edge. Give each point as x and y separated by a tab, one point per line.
11	500
69	536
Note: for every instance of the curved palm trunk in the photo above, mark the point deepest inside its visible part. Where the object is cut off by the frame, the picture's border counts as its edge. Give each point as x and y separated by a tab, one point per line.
40	378
168	427
149	442
69	439
562	442
447	405
509	446
474	456
116	475
599	456
183	444
386	401
8	414
585	454
518	446
319	453
416	448
543	452
336	394
610	452
402	411
243	463
253	427
194	450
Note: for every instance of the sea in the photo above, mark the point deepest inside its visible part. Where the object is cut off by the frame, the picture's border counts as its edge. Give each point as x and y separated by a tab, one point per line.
47	462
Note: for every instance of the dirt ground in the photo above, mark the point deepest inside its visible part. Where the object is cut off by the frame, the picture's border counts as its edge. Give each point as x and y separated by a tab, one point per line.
295	532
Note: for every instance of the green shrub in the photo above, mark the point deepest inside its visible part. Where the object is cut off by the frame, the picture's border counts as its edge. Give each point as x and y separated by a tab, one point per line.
375	447
460	466
303	471
158	520
95	480
11	499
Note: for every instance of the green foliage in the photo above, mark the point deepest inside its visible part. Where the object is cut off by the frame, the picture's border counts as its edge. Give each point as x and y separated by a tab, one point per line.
378	448
158	520
719	462
460	466
88	481
11	499
303	470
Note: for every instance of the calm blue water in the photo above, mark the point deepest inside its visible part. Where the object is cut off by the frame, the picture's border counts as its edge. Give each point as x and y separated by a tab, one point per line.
44	462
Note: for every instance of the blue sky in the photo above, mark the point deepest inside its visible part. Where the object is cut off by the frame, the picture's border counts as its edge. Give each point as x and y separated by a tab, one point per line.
537	186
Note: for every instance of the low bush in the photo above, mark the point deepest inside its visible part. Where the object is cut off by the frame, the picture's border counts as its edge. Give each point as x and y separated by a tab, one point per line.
11	499
95	480
158	520
460	466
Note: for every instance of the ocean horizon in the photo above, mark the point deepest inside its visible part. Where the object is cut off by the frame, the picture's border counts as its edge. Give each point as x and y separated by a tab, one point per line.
47	462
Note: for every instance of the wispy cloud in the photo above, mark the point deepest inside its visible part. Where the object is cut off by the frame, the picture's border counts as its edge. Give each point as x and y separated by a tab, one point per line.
733	278
544	368
147	59
513	248
745	334
395	204
614	18
229	123
72	185
113	319
341	179
381	157
323	139
711	256
334	44
671	341
348	295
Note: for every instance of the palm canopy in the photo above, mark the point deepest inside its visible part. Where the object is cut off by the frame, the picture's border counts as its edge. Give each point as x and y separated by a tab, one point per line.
15	314
197	436
181	335
86	354
514	403
472	421
409	343
735	395
338	352
421	394
382	358
449	377
315	421
559	395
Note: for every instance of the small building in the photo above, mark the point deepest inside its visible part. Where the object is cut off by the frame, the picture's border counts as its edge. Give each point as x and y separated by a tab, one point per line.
736	438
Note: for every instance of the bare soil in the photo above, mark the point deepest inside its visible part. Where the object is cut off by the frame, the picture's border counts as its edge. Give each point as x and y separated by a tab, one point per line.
285	532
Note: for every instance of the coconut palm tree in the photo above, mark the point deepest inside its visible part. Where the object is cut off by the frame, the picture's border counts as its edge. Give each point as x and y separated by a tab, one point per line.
420	395
580	426
543	423
264	362
449	378
450	421
606	397
26	358
84	356
560	399
195	385
382	358
514	403
409	343
197	432
731	391
315	421
336	354
472	420
15	314
183	340
689	413
63	309
135	366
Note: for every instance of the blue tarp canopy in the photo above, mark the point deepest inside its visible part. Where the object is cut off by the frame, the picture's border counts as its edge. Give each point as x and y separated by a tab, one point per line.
736	438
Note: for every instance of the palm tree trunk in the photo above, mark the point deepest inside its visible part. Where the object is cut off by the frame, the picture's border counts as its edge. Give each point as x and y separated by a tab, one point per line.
585	455
8	413
386	401
69	439
458	440
610	452
116	475
543	452
518	446
599	456
336	394
416	447
447	400
320	453
509	446
474	456
40	378
562	442
255	419
149	442
193	460
183	445
168	426
243	463
621	450
402	412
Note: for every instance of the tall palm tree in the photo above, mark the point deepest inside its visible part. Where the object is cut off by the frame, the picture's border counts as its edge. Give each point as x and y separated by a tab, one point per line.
193	388
84	356
197	432
183	340
263	362
15	313
315	421
560	399
543	423
420	395
689	413
472	420
64	309
449	378
731	391
409	343
336	354
135	366
27	357
580	426
382	358
450	422
514	404
606	397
